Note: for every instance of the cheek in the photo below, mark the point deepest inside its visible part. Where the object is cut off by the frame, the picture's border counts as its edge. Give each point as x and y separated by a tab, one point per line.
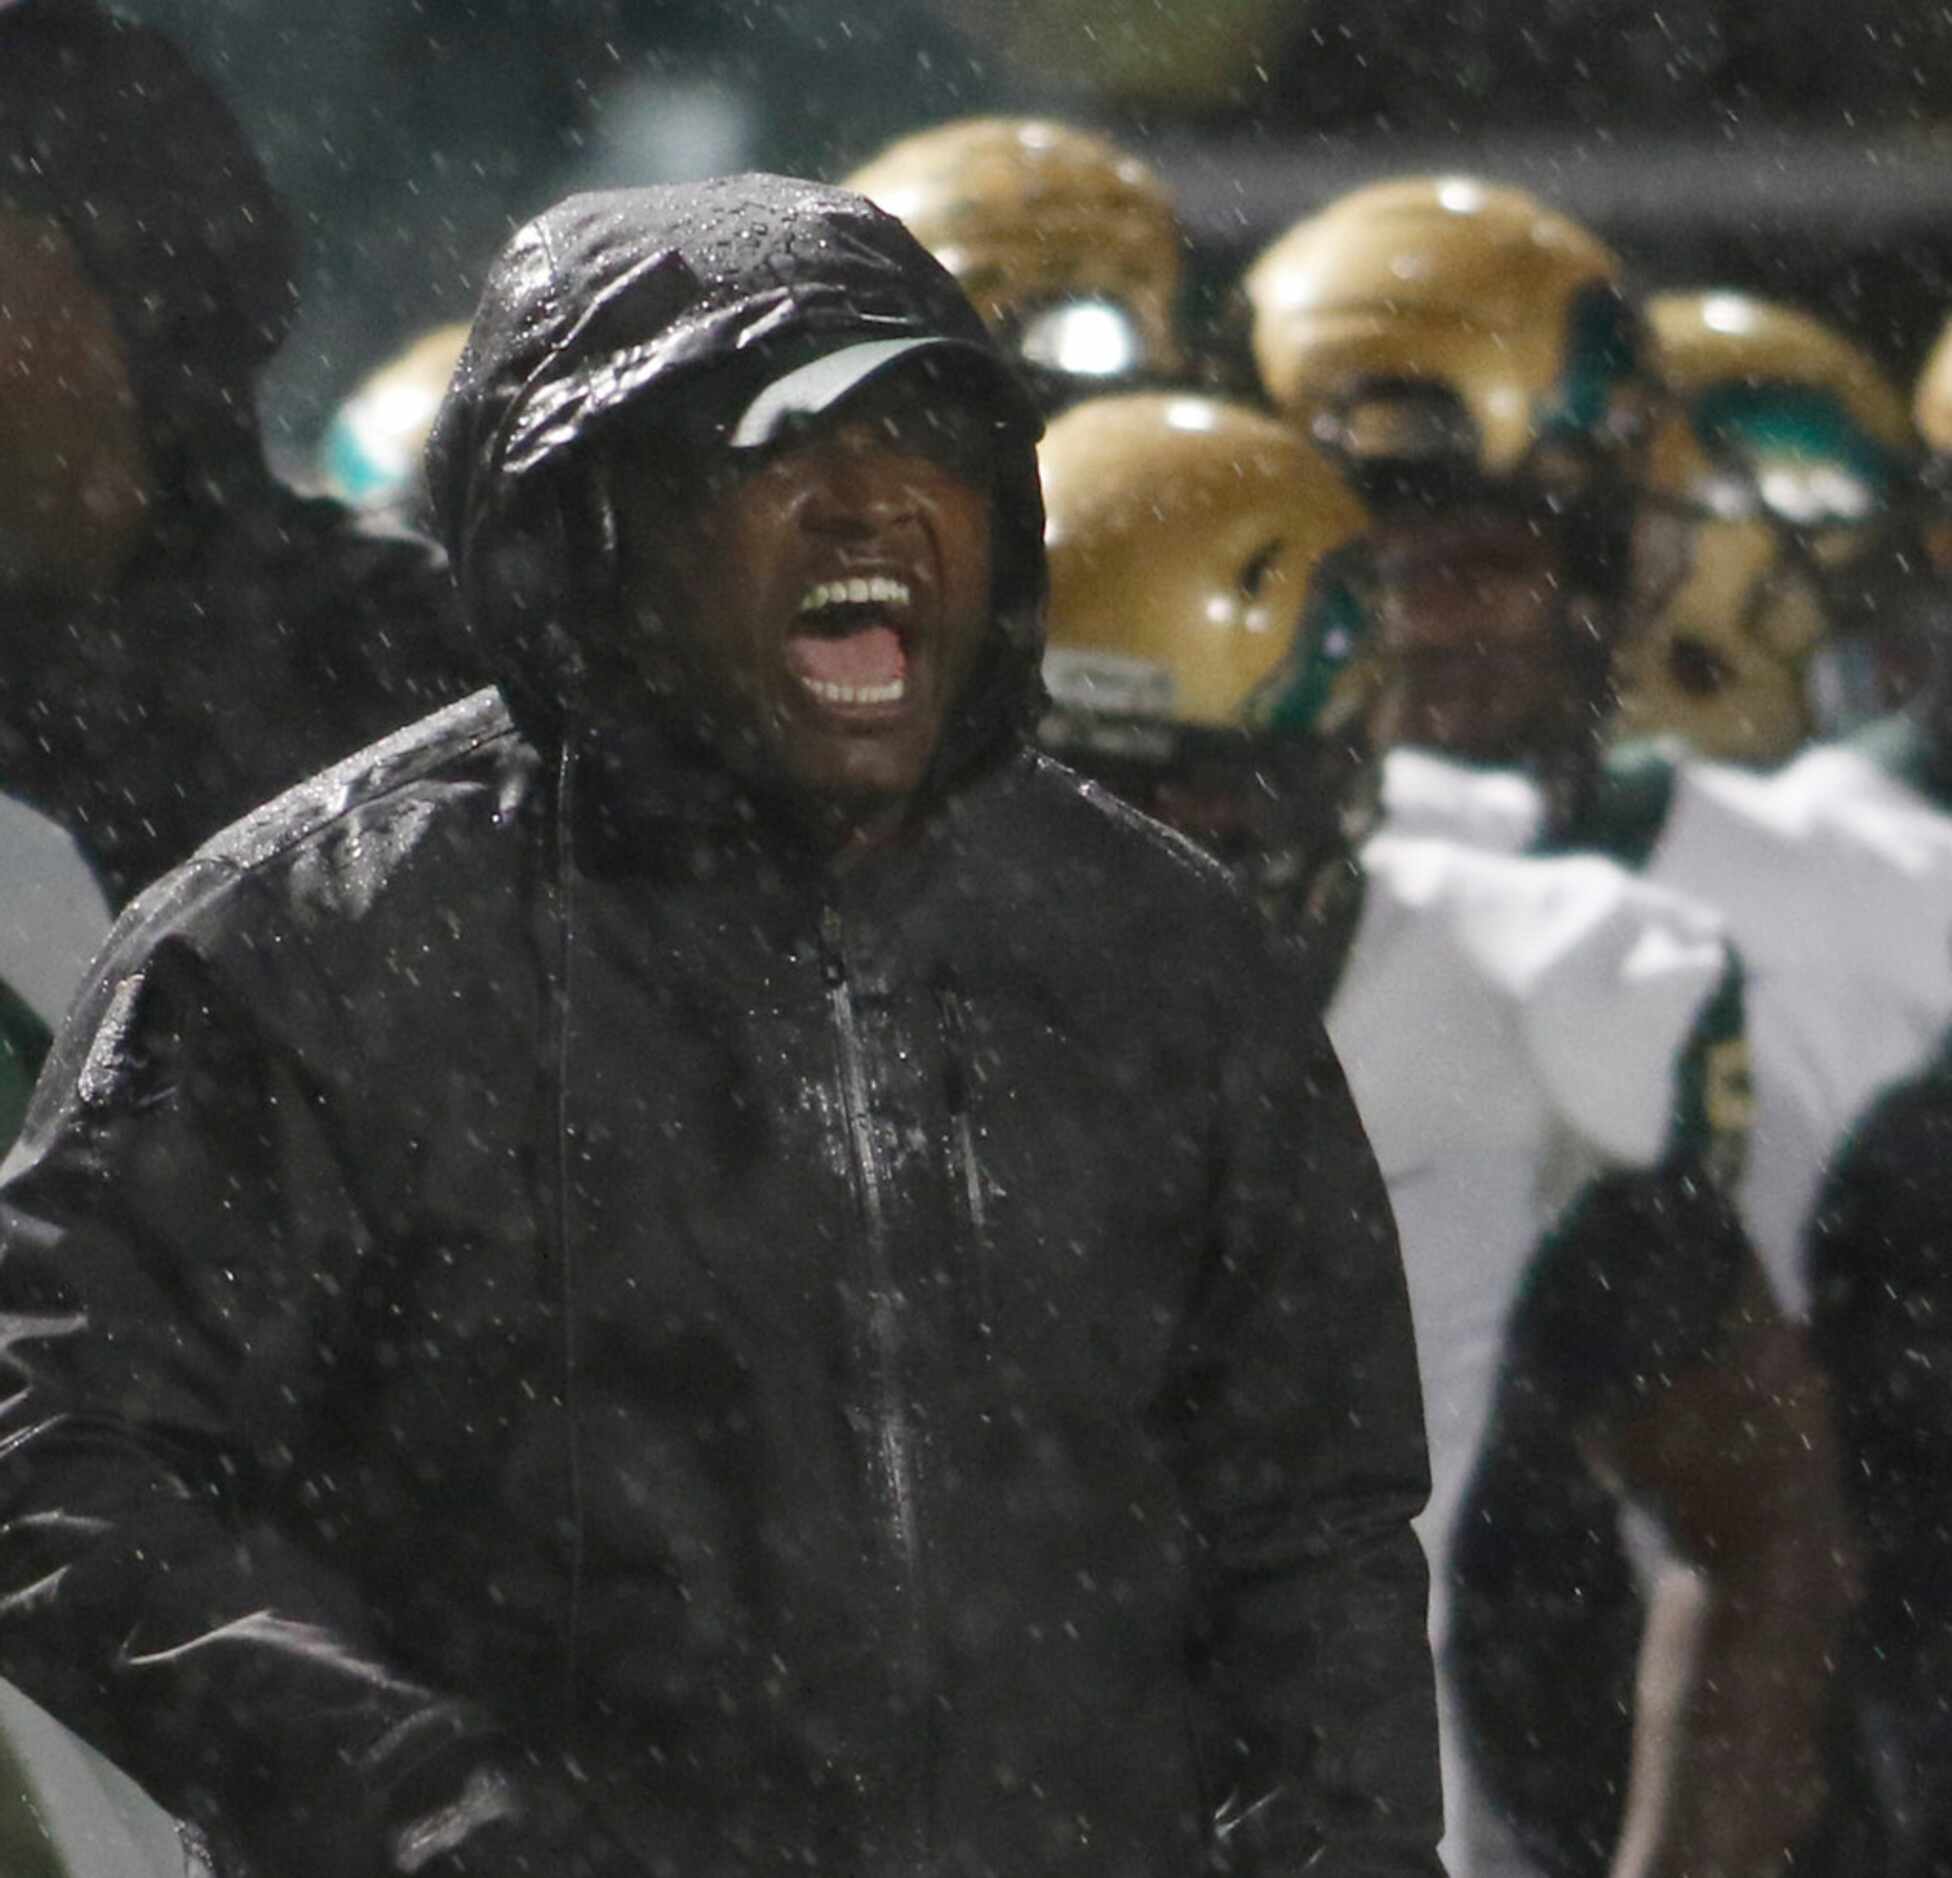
684	592
971	568
965	543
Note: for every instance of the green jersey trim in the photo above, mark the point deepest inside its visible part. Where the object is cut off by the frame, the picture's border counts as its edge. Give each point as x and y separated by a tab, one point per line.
1626	814
1714	1107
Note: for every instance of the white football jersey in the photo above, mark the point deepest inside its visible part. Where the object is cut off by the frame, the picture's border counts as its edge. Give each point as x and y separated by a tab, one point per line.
1834	880
1510	1026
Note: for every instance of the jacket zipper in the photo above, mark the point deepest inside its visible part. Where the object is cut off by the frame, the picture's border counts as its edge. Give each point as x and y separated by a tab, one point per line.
894	1433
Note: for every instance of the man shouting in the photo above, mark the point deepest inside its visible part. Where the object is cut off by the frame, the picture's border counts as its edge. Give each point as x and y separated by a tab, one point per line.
708	1265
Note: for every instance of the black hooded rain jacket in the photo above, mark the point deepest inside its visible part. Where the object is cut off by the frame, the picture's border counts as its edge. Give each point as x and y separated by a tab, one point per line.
522	1279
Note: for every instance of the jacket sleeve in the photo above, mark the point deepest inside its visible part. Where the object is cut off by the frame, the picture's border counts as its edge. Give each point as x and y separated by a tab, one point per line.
1303	1441
1880	1246
179	1255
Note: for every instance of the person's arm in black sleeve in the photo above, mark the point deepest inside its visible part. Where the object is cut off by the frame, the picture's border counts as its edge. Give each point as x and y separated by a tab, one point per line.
1301	1419
1647	1353
1880	1252
179	1255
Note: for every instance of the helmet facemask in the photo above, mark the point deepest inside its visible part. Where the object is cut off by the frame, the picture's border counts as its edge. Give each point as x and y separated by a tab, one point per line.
1771	517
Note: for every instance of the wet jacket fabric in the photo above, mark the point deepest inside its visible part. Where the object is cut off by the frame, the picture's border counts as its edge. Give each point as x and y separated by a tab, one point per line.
109	129
525	1280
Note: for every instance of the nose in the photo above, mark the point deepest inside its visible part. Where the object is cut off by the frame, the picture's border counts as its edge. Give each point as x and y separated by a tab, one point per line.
856	491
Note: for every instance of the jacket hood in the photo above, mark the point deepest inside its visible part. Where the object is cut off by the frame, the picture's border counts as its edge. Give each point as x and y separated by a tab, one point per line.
653	302
106	127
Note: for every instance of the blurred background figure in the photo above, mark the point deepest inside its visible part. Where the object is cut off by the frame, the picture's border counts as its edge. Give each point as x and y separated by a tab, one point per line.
1914	743
1068	245
1769	526
185	635
1547	1057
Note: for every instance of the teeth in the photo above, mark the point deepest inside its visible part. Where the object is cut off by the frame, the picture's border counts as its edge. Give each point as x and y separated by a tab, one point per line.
859	591
890	693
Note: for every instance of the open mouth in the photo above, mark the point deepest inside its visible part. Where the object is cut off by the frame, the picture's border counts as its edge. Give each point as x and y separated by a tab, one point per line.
849	644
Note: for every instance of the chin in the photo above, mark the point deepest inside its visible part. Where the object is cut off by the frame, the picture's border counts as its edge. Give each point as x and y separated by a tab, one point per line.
865	775
857	794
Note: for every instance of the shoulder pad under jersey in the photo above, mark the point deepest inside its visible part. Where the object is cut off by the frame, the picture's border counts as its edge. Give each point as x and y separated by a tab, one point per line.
1605	996
1427	795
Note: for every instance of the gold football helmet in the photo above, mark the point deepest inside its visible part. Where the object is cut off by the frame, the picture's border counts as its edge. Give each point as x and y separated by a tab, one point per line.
1776	466
1186	535
1931	403
1069	246
1931	410
1208	656
1442	327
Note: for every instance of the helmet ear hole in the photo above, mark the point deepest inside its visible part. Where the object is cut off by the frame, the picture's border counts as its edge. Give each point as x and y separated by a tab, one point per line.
1185	532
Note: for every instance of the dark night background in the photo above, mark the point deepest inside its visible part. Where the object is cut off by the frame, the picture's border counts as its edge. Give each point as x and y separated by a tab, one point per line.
1803	149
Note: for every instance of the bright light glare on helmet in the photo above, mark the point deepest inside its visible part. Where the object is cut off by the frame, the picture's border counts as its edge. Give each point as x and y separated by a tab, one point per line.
1726	496
403	409
1084	339
1192	414
1727	313
377	436
1506	402
1808	493
1460	195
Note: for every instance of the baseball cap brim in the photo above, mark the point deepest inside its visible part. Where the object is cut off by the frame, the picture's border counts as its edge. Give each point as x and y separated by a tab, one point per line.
808	389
